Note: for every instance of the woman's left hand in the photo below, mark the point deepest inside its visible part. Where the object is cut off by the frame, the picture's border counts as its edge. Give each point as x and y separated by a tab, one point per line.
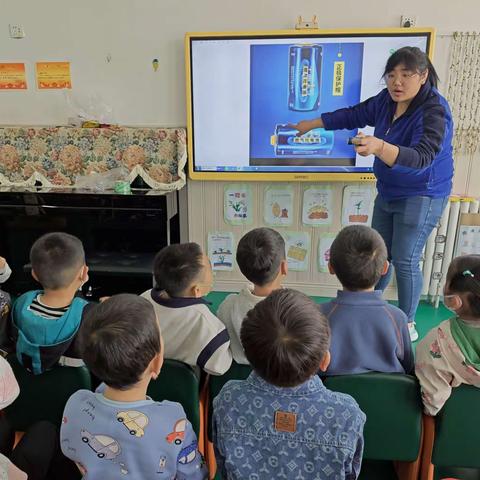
367	145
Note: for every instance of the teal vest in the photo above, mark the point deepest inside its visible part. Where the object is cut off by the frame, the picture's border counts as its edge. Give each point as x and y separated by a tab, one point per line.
42	341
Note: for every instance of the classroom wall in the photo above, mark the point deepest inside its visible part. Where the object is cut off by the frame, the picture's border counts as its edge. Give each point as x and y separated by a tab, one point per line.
208	217
131	33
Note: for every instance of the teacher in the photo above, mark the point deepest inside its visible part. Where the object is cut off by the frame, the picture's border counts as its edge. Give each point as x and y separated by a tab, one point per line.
412	144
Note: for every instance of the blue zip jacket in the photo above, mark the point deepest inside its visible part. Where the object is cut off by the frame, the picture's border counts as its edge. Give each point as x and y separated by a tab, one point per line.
424	165
367	335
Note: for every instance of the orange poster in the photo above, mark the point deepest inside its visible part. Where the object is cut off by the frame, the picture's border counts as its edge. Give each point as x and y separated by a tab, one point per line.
12	76
53	75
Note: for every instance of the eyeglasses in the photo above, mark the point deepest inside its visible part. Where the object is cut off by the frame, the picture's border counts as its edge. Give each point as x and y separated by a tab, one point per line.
403	77
448	297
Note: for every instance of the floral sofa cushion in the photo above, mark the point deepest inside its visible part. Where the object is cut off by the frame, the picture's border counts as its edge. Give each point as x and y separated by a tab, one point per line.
57	156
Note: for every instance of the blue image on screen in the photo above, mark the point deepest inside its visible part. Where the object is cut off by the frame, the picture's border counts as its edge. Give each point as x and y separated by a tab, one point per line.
290	83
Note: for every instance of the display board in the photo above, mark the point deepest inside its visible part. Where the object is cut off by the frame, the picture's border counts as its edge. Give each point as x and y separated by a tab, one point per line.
246	90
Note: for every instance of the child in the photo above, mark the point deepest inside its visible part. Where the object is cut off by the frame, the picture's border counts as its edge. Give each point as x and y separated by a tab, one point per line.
5	271
282	420
261	258
368	334
37	453
450	354
193	335
10	391
5	305
120	431
48	320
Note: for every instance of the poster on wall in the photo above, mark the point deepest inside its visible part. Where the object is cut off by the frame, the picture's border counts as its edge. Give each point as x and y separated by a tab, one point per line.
324	245
12	76
297	248
238	204
278	206
317	206
290	82
220	251
357	205
53	75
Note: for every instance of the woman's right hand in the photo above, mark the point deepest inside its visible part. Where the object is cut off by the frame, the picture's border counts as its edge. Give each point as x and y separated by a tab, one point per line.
306	125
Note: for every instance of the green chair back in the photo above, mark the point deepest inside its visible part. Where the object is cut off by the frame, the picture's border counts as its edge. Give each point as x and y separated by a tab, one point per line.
43	397
457	430
393	407
235	372
178	382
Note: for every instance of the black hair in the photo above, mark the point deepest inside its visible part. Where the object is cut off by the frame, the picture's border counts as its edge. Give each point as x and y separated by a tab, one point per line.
358	255
463	277
118	339
415	60
285	338
56	259
176	267
259	255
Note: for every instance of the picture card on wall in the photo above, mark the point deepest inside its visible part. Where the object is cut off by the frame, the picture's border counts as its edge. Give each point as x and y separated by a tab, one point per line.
468	240
12	76
278	206
53	75
357	205
317	207
238	204
221	251
324	244
297	250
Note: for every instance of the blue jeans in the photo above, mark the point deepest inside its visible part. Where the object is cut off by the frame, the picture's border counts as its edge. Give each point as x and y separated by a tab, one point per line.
405	225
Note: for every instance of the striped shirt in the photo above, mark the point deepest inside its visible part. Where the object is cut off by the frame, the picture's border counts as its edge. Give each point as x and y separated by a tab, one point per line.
45	311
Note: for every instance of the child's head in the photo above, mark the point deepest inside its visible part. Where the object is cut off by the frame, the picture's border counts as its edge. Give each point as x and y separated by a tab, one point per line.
358	257
286	338
261	256
121	342
462	287
183	270
58	261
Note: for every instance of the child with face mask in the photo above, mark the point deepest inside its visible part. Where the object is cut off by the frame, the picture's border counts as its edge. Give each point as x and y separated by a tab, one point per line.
450	354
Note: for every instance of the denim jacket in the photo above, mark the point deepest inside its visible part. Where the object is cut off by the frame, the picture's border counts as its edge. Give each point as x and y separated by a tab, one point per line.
307	432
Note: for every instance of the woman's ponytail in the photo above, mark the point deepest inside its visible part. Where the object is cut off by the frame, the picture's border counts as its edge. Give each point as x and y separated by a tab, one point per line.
432	73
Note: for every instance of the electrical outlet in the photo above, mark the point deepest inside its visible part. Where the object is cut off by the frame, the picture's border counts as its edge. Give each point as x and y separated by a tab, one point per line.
16	31
408	21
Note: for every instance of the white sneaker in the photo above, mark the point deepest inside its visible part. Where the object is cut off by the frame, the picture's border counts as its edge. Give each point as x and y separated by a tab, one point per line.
413	331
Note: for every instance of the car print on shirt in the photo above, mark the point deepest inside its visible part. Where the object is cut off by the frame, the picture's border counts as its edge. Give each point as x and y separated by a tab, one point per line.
134	421
178	434
188	454
103	445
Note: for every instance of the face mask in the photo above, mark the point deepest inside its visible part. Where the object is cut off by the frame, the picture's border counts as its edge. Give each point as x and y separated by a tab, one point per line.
446	301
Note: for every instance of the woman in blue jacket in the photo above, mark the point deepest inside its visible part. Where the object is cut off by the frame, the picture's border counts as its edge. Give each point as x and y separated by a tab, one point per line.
412	144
